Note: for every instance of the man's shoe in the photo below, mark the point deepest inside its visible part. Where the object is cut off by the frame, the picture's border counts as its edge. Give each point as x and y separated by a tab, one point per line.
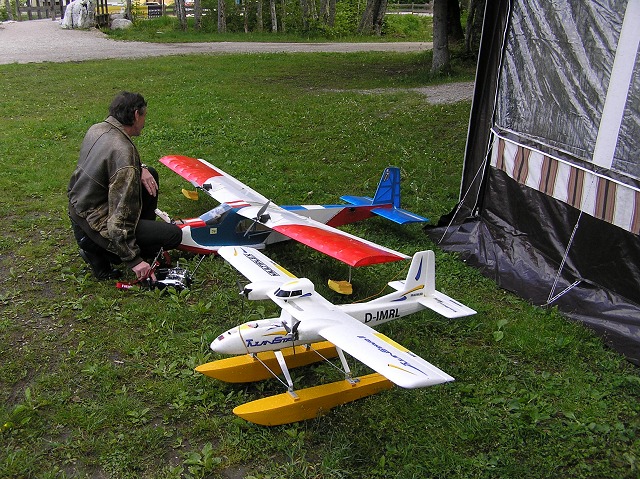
100	266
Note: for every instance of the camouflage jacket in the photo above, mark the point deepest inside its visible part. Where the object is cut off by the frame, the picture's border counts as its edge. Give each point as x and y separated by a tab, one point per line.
105	187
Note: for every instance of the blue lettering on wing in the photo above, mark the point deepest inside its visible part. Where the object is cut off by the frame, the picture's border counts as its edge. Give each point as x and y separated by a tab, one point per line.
384	350
261	264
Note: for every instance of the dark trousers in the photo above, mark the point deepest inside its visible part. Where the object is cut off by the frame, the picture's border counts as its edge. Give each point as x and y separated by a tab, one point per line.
151	235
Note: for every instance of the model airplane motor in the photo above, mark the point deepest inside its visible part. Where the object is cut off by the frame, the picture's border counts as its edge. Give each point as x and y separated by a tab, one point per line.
178	278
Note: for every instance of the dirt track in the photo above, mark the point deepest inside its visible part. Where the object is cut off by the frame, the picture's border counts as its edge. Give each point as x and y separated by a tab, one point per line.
37	41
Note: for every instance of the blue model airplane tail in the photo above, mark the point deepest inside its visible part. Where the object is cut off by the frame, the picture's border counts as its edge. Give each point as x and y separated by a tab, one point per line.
388	197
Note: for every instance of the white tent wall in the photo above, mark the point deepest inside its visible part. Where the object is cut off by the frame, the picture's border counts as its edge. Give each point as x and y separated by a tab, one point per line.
550	193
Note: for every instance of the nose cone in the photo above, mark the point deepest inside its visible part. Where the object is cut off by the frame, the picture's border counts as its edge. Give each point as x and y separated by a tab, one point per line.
229	342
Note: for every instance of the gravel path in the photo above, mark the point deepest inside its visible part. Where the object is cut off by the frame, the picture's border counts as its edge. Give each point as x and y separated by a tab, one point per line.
38	41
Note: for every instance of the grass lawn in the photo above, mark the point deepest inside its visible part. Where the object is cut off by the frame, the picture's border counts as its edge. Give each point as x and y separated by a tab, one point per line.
99	383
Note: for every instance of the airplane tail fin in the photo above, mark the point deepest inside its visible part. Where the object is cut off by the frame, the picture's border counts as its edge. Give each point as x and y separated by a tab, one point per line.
387	196
421	278
420	286
388	191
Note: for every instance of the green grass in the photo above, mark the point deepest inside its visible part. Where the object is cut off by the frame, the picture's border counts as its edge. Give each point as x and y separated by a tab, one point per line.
97	382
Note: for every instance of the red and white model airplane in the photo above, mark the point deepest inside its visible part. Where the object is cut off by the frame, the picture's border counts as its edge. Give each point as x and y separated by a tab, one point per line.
310	329
246	218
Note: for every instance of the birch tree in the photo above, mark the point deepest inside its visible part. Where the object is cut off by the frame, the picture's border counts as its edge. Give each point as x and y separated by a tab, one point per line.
274	16
181	14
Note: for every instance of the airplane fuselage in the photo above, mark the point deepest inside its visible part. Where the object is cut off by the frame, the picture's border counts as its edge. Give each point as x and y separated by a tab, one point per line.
271	334
206	234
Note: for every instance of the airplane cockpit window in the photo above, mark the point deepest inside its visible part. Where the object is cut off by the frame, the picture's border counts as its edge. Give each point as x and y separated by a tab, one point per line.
216	214
283	293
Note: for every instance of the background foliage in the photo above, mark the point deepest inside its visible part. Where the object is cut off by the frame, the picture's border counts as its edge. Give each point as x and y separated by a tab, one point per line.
97	382
167	28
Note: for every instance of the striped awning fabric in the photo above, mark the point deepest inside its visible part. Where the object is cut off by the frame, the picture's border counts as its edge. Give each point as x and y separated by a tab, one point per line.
592	193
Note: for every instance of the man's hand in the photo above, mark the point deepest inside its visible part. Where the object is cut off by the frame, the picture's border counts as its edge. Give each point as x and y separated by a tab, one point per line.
149	182
143	271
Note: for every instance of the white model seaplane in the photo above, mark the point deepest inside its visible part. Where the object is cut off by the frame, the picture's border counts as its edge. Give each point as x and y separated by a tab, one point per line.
247	218
311	329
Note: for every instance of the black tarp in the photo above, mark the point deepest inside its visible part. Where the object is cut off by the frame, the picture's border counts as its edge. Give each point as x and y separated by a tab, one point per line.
544	71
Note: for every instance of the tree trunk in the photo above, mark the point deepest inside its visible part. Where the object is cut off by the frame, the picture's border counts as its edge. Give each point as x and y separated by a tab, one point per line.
313	10
283	17
7	7
378	20
474	24
328	12
197	14
324	12
222	17
127	12
332	13
181	14
454	24
304	9
373	17
274	16
245	15
440	40
259	21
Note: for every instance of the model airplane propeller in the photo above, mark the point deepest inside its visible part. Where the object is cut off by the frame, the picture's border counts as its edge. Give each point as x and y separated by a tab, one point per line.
261	218
246	218
310	329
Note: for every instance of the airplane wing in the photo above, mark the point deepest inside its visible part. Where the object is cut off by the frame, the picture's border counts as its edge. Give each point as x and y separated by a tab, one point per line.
254	265
379	352
221	186
333	242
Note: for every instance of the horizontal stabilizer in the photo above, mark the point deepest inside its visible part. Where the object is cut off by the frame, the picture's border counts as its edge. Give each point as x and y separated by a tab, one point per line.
446	306
358	200
387	199
420	284
400	216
